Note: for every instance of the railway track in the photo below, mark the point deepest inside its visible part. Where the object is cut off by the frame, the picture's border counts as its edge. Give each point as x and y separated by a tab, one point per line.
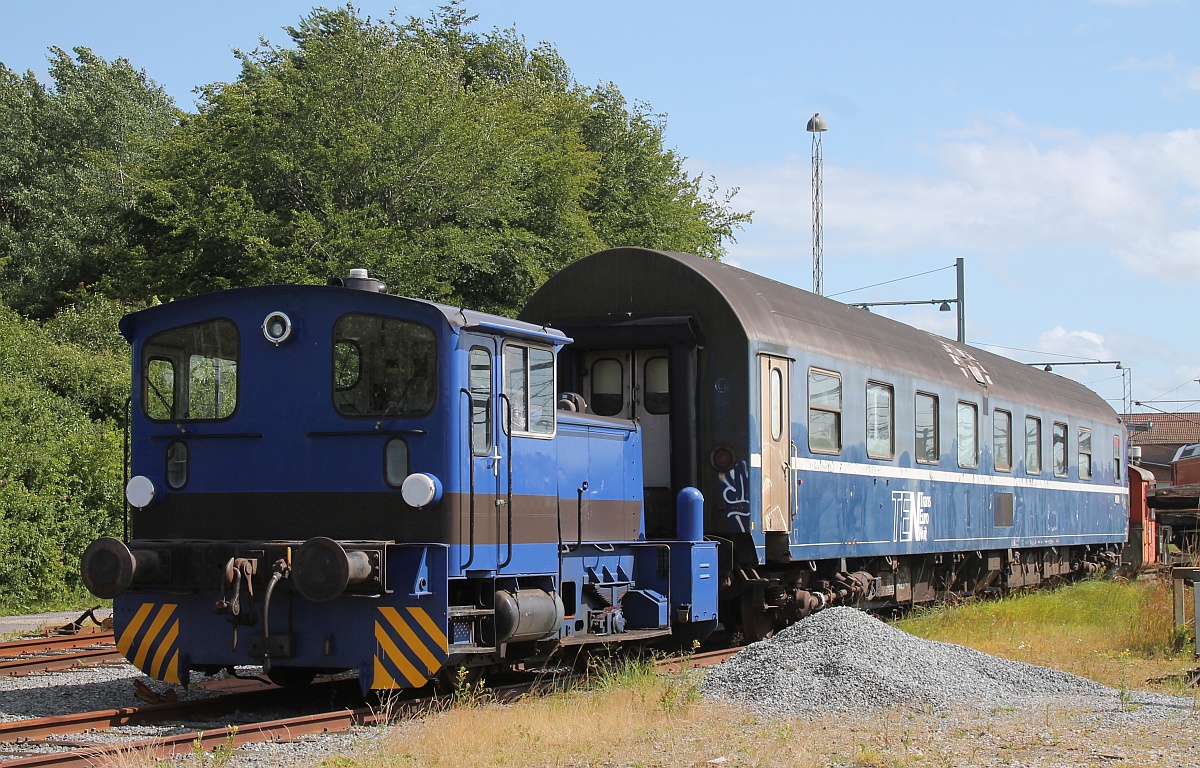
56	653
238	695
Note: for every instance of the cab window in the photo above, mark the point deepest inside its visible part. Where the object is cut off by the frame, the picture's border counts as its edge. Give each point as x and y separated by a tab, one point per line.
529	389
383	367
480	377
191	373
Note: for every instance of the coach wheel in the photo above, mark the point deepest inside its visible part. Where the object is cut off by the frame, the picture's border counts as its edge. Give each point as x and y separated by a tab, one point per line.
292	677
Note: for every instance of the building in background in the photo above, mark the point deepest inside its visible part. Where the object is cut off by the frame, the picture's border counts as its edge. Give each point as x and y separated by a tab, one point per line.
1160	435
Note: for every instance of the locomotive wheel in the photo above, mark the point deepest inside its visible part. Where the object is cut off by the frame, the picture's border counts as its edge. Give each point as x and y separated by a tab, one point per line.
292	677
757	623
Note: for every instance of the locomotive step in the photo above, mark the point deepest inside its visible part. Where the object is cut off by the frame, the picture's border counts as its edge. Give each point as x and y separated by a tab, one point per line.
462	611
585	638
465	649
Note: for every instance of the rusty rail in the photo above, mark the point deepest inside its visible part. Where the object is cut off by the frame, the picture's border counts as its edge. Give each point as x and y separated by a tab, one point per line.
706	659
26	666
54	643
236	693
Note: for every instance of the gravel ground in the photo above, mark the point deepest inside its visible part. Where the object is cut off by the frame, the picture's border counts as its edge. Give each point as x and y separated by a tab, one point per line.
837	666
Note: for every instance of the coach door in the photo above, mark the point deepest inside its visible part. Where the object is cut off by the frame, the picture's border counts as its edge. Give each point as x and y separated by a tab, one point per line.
633	384
775	429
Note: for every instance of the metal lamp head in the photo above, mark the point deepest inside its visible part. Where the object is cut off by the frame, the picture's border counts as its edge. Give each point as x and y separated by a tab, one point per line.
817	124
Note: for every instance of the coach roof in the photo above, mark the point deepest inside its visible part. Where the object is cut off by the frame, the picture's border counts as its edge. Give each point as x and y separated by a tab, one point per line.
625	284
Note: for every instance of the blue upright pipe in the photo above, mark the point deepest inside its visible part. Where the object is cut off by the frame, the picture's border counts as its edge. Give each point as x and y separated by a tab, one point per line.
689	515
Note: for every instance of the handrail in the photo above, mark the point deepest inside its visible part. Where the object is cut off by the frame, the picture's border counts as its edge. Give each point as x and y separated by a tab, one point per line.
471	466
509	491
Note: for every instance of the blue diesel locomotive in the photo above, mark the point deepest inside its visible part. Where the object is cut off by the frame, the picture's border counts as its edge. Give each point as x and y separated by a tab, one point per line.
332	478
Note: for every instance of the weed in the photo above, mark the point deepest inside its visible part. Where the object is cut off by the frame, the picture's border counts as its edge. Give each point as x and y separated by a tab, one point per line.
221	754
1123	692
468	689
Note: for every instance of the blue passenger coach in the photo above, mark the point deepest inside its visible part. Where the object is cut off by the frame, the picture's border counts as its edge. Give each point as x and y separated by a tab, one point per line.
843	456
332	478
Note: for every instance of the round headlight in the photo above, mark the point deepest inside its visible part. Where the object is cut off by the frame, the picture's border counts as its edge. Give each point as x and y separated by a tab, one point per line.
277	327
139	491
421	490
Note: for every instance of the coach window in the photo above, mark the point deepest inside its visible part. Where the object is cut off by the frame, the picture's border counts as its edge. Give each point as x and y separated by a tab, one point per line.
1059	449
529	387
1002	440
481	401
926	429
608	391
776	404
191	373
881	443
1085	454
968	435
1033	445
1116	459
824	411
656	394
383	367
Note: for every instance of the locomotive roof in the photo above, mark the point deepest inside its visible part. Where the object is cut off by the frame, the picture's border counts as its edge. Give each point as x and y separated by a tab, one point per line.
633	282
367	301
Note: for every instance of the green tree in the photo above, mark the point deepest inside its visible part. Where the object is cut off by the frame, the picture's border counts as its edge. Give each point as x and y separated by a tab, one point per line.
456	166
60	443
68	163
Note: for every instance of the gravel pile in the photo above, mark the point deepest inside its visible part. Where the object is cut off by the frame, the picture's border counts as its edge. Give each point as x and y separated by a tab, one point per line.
844	660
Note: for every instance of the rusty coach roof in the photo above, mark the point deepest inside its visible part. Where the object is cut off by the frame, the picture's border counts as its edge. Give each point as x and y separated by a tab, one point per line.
628	282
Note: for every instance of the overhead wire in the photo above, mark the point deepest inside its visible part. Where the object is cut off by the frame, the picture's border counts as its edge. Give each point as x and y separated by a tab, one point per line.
889	282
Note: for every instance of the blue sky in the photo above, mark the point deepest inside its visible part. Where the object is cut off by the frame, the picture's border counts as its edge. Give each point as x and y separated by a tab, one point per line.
1054	146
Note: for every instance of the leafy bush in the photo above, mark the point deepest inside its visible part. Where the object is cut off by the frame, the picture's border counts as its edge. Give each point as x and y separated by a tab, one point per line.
60	459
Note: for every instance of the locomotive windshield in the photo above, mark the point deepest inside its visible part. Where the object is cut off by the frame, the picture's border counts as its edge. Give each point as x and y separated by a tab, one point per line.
383	367
190	373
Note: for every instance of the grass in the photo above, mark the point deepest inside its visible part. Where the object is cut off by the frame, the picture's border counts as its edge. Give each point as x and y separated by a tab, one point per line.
1114	632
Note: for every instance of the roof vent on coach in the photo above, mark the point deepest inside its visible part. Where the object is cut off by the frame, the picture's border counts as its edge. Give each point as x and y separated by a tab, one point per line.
358	279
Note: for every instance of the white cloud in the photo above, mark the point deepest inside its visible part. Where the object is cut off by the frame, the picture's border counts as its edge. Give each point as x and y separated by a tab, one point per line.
1134	198
1074	344
1183	77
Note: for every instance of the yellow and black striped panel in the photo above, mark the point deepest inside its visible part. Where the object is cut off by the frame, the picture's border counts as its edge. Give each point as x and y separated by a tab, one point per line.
409	648
151	641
